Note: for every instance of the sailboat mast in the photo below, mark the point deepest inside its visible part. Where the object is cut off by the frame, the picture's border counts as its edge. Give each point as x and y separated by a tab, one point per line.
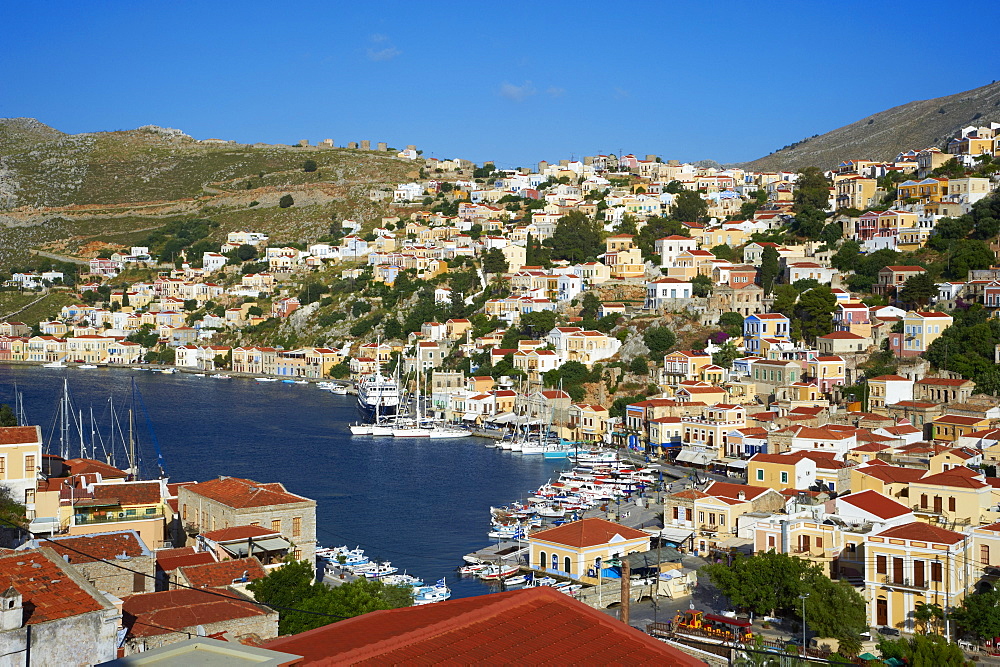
79	430
131	445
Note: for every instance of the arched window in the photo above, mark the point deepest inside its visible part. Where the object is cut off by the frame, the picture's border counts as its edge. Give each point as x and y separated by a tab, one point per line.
568	565
541	560
555	562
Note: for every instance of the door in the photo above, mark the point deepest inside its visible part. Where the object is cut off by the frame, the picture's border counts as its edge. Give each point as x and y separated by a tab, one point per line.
897	570
881	612
918	573
937	504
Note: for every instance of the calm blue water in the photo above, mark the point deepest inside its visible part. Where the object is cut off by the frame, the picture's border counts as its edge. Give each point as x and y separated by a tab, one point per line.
421	504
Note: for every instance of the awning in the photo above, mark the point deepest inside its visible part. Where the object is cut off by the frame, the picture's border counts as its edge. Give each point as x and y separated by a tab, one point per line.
675	535
45	524
469	417
734	543
239	549
690	456
503	418
737	464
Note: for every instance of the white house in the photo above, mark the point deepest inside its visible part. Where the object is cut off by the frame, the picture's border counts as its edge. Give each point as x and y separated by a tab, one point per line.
660	292
408	192
213	261
671	246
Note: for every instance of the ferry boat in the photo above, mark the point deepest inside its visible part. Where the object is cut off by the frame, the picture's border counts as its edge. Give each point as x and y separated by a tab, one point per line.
378	396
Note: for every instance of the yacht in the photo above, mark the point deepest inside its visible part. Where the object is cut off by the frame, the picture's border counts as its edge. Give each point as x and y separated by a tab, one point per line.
378	396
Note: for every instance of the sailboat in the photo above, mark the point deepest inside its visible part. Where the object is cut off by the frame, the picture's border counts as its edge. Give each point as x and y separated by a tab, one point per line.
416	429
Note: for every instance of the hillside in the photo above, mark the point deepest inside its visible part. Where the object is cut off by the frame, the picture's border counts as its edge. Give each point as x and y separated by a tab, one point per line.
881	136
59	192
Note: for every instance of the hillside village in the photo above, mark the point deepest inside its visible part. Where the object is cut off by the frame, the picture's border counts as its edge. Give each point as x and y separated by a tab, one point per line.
820	346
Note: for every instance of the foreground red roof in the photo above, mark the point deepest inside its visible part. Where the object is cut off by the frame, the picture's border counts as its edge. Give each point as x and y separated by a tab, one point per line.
925	532
48	590
875	503
223	573
238	493
151	614
587	533
238	533
530	626
98	546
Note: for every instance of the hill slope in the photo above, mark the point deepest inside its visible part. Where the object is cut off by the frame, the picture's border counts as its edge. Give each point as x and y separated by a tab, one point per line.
916	125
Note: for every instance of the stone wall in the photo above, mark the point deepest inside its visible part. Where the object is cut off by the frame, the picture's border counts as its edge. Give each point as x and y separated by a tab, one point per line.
110	579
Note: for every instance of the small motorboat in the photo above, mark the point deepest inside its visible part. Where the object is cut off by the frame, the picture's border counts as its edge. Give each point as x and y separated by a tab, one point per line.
198	375
339	389
87	366
222	376
361	429
54	364
266	379
495	572
473	569
381	570
430	594
402	580
519	580
168	371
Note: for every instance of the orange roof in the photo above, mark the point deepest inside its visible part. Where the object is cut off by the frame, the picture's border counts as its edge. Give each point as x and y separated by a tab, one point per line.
238	493
169	560
130	493
48	591
875	503
85	466
727	490
223	573
238	533
587	533
955	477
949	382
98	546
918	530
18	435
151	614
892	474
529	626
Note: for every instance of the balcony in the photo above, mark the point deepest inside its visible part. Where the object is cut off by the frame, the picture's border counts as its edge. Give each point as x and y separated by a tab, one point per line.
903	582
709	528
116	517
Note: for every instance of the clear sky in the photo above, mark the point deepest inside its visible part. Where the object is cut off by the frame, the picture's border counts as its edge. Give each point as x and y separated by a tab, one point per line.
513	82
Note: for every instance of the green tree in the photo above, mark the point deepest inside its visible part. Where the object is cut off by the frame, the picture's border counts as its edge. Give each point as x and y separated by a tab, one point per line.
727	354
7	416
923	651
785	297
659	340
255	311
689	207
980	614
769	268
732	323
12	511
724	251
246	252
927	615
309	166
918	290
539	323
814	312
494	262
576	238
701	285
836	609
476	231
286	201
639	365
765	583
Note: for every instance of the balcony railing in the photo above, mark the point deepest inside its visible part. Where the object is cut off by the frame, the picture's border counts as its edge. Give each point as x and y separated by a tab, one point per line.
903	582
709	528
86	519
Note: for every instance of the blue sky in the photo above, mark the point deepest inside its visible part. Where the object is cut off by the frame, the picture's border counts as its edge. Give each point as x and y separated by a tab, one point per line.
511	82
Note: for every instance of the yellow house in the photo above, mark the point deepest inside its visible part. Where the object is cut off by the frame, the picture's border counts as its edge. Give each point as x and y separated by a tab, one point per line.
20	461
587	422
709	430
950	428
581	548
684	365
911	564
138	506
957	496
781	471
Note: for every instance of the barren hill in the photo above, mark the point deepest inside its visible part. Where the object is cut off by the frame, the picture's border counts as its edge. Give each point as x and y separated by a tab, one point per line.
916	125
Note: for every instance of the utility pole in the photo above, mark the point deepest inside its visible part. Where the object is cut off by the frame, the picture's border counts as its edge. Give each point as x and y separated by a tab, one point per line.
626	590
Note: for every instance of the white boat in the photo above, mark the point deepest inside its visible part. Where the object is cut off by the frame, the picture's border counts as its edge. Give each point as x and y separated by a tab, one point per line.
494	572
87	366
473	569
439	592
411	432
222	376
324	385
54	364
384	430
266	379
532	448
439	432
339	390
361	429
168	371
402	580
381	570
519	580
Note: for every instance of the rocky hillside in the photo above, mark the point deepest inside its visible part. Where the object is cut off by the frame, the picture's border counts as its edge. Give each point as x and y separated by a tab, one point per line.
881	136
60	191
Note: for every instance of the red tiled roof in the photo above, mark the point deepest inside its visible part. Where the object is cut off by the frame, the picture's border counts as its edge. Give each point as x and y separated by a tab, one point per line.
130	493
223	573
727	490
46	588
875	503
17	435
948	382
918	530
152	614
239	493
954	477
238	533
892	474
98	546
587	533
169	560
84	466
529	626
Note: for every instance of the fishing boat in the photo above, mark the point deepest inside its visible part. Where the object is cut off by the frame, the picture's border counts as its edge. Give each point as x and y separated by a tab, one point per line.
495	572
473	569
381	570
266	379
439	592
87	366
54	364
402	580
339	390
519	580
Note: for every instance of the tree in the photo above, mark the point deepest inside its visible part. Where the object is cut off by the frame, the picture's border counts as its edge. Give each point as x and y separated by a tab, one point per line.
689	207
836	609
731	323
726	355
765	583
476	231
309	166
724	251
922	650
769	268
659	340
815	312
494	262
927	615
785	297
11	511
539	323
980	614
246	252
918	289
701	285
7	416
576	238
286	201
639	365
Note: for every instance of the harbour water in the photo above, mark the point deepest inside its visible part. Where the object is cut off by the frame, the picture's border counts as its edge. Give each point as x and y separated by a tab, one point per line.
420	503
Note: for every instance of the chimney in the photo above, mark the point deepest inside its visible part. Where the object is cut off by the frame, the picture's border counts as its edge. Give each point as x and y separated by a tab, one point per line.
11	610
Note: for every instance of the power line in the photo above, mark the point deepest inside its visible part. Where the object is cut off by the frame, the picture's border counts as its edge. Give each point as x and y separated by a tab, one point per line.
177	584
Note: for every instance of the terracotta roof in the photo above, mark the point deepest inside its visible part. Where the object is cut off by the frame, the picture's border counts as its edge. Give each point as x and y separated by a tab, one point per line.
960	420
842	335
892	474
130	493
924	532
238	533
98	546
48	591
889	378
152	614
169	560
947	382
727	490
875	503
238	493
84	466
689	494
587	532
223	573
17	435
954	477
529	626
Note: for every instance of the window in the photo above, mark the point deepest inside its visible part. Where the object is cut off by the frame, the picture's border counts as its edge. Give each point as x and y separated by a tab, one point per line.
29	496
567	565
784	478
701	517
880	565
760	474
255	523
3	465
770	542
951	504
984	554
819	542
29	464
542	560
936	571
722	519
297	554
711	518
296	526
130	512
138	582
923	500
276	525
150	510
